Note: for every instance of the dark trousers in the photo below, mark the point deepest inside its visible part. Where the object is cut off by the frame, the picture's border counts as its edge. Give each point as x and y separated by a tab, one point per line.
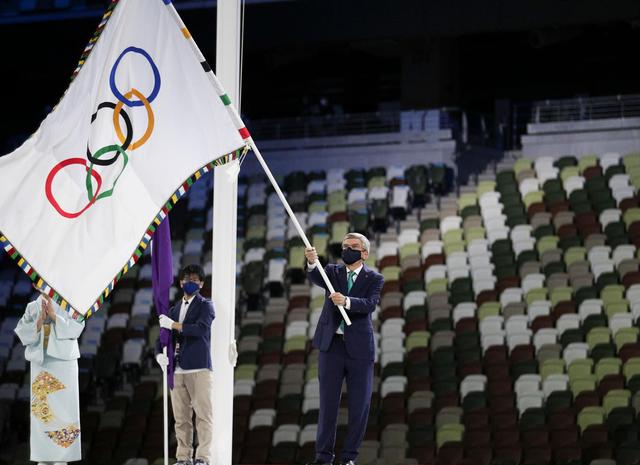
334	366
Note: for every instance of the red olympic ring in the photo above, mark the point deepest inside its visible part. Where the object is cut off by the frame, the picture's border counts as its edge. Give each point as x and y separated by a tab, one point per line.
49	182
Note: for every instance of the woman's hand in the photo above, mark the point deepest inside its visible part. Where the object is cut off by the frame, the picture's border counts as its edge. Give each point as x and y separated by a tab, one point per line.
47	306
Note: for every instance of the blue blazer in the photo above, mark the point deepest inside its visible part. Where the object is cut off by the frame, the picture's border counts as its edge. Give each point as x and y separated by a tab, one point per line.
195	338
364	296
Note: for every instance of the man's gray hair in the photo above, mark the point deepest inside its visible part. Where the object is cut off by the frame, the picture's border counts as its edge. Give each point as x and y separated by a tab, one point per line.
363	239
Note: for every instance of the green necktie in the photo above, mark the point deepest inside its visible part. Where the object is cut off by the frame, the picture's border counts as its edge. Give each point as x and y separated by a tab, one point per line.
350	280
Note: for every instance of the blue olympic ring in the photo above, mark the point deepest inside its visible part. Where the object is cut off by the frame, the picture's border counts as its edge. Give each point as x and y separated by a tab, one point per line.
156	76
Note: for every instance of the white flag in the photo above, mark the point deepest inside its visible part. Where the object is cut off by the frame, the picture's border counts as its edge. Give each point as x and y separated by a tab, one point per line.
143	118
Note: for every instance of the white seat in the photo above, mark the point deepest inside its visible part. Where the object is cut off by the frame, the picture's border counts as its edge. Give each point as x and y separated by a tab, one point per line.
435	272
509	295
567	321
529	185
609	159
518	338
619	180
610	215
464	310
527	384
555	382
590	307
538	308
623	252
545	336
492	339
286	433
516	323
530	400
491	324
413	298
574	351
619	321
431	248
532	281
573	183
449	223
472	383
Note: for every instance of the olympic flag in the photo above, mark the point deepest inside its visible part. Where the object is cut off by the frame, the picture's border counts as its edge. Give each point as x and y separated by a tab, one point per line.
143	118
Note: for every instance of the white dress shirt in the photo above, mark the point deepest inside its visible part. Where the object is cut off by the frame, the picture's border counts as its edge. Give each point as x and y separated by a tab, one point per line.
347	304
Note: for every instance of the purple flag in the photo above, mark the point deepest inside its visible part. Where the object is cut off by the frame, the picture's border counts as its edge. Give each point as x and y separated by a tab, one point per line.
162	279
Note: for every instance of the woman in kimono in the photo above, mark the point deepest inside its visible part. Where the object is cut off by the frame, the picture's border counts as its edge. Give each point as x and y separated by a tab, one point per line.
50	336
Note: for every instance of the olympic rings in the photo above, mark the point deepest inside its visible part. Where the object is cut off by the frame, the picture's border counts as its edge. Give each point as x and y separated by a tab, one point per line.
154	69
52	175
150	118
125	141
90	171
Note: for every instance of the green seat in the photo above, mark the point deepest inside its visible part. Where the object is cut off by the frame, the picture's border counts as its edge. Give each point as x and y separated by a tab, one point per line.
616	398
574	254
485	186
612	308
580	368
453	247
551	367
533	197
535	295
417	339
631	368
295	343
246	371
391	273
607	366
437	285
339	229
553	186
587	162
467	199
522	164
546	243
407	250
450	432
590	416
453	235
488	309
569	171
612	293
560	294
626	336
598	336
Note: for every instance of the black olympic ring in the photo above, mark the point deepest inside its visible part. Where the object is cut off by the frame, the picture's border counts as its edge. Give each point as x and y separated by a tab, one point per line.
125	145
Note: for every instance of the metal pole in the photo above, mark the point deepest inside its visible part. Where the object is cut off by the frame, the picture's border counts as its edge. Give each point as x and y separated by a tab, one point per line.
165	407
292	215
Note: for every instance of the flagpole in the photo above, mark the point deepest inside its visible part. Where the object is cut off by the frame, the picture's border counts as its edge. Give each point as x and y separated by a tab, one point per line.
165	407
297	225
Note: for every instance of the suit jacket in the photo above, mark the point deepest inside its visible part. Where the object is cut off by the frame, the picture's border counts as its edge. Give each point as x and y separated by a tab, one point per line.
195	338
364	296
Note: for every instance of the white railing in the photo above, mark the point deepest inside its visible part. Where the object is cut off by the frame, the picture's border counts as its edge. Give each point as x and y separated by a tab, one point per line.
584	109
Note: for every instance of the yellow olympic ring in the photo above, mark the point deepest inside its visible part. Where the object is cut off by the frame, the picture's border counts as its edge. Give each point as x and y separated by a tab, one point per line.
116	119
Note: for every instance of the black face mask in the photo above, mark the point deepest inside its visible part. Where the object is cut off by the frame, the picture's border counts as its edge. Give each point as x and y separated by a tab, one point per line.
350	256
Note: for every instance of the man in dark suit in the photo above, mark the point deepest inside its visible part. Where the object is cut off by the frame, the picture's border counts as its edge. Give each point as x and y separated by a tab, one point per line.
345	351
190	324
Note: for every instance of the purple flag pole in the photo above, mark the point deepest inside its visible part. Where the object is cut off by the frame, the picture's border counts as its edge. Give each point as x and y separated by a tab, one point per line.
162	279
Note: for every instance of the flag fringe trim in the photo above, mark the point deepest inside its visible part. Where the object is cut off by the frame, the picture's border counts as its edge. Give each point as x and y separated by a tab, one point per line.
39	282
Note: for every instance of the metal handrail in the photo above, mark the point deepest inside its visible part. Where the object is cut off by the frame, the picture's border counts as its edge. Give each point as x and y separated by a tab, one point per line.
585	109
